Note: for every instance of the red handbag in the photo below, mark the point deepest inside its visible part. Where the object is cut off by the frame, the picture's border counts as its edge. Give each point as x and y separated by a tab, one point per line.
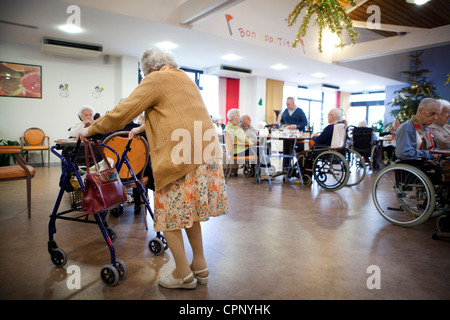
102	189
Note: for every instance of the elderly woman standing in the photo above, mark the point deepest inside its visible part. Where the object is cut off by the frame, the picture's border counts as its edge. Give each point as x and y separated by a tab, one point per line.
86	116
187	191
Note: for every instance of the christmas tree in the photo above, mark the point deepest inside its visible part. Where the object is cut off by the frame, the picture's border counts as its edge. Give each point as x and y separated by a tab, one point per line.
404	106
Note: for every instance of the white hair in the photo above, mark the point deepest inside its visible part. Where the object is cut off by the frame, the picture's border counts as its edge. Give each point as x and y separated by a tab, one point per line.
155	59
444	104
86	107
362	123
337	113
429	103
232	113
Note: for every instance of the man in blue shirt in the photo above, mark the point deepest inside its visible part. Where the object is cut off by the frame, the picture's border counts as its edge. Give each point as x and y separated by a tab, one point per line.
414	139
293	117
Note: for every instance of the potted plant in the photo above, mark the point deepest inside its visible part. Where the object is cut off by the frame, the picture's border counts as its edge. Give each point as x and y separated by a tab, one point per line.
5	159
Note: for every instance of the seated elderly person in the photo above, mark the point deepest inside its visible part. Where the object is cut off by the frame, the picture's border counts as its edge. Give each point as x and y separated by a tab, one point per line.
325	138
440	127
414	139
86	116
246	123
237	134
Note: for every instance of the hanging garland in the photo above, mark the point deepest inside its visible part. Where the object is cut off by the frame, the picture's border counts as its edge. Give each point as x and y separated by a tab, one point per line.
330	14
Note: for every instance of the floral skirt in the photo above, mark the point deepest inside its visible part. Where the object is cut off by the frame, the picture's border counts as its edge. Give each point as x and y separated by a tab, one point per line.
198	195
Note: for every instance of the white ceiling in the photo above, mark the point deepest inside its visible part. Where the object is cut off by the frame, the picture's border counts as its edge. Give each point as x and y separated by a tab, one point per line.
129	27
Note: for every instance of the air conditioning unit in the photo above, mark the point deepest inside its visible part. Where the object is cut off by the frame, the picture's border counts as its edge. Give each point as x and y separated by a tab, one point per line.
71	49
323	87
227	71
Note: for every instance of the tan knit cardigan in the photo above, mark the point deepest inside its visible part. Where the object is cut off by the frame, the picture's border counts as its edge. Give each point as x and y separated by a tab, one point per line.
175	116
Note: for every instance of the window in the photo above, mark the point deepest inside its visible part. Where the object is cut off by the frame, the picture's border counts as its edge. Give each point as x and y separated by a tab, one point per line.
316	104
367	107
209	88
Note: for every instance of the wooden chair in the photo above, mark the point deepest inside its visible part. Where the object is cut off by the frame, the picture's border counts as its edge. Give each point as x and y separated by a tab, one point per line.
33	140
17	172
231	158
138	157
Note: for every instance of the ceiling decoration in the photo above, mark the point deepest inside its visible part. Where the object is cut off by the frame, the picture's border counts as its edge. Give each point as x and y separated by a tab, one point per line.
328	14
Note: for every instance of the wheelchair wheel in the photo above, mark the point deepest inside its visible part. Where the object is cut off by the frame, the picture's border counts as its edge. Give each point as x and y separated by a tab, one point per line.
356	168
330	170
374	159
403	195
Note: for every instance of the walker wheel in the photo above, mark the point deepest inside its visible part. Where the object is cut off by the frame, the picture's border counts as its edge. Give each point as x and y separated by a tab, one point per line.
164	242
156	246
109	275
121	268
59	257
111	233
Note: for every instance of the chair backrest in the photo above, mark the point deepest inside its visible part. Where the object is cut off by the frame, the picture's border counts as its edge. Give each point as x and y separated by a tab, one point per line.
138	156
362	138
34	136
228	144
339	136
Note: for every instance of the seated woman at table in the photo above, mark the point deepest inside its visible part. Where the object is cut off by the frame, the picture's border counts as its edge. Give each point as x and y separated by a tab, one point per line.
86	116
237	134
440	127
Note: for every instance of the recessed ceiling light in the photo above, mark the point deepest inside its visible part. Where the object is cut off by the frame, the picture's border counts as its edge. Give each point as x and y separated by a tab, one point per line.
166	45
279	66
70	28
418	2
319	75
231	57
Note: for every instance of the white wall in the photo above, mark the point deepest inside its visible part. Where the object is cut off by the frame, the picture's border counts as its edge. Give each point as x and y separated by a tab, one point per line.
251	90
53	113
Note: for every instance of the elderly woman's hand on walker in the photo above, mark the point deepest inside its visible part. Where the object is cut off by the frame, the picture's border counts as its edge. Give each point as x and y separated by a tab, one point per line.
133	132
83	134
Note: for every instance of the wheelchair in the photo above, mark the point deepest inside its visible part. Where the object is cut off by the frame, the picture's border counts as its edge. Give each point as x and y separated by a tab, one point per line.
361	141
327	165
409	192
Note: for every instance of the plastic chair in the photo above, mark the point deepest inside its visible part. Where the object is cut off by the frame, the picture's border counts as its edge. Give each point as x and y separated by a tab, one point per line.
17	172
138	158
33	140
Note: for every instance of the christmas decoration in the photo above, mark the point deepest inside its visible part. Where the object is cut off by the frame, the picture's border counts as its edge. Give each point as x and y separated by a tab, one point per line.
330	14
404	106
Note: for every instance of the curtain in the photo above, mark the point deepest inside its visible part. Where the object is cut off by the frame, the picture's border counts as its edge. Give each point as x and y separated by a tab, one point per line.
274	99
232	94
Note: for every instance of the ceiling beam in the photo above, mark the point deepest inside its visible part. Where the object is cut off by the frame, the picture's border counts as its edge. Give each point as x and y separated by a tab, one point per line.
195	11
385	27
349	8
416	40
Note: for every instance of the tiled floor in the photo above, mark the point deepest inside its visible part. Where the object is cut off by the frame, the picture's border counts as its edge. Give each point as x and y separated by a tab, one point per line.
291	243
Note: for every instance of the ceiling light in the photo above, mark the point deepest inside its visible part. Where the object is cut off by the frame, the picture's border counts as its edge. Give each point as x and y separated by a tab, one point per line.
70	28
279	66
352	82
319	75
166	45
417	2
231	57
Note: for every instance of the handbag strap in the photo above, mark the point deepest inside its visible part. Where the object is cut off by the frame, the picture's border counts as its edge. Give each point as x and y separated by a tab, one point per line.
87	146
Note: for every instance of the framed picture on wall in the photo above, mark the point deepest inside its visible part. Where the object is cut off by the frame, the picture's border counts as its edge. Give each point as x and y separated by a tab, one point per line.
20	80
